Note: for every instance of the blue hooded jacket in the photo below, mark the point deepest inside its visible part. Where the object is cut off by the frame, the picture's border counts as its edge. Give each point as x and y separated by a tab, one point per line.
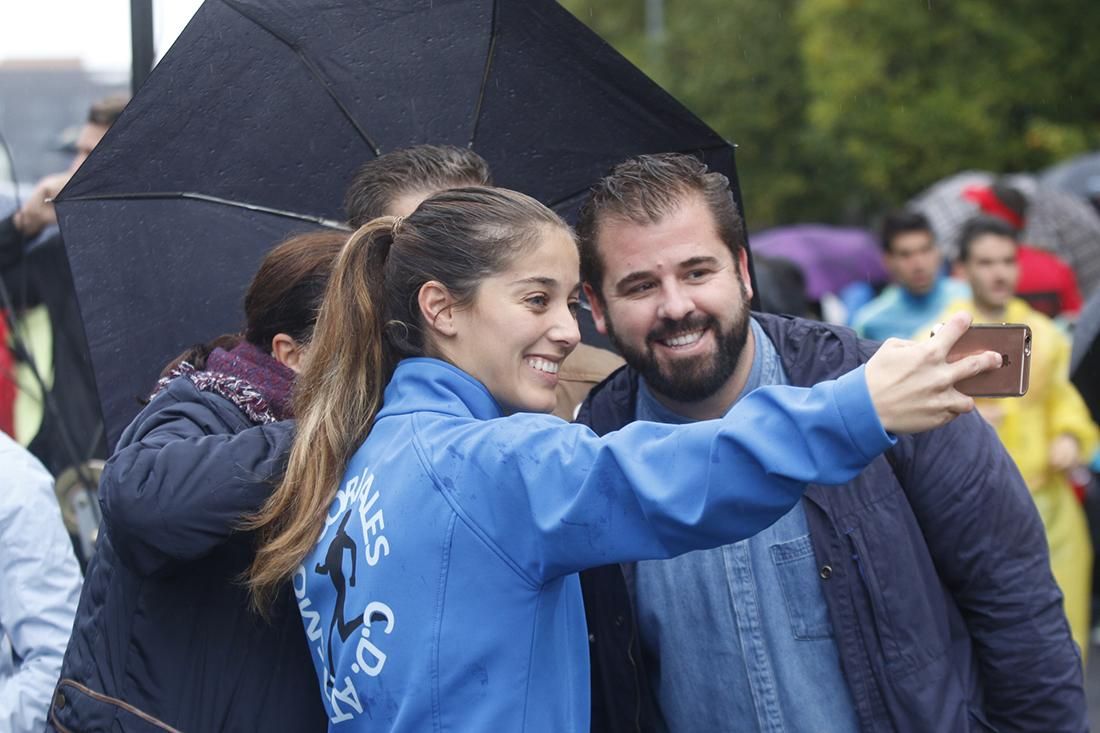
443	594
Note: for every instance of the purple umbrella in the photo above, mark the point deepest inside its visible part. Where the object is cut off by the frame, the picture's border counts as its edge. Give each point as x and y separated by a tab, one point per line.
830	257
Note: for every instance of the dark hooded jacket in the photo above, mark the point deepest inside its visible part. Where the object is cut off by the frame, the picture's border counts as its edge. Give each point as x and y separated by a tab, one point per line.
934	569
164	637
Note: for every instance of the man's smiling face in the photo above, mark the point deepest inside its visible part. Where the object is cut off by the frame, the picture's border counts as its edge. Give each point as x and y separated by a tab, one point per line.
675	300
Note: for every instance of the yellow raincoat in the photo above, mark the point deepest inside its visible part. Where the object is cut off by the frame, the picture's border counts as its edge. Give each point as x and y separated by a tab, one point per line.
1027	426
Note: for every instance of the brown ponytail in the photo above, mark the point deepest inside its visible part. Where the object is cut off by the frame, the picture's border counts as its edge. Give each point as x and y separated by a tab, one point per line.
337	395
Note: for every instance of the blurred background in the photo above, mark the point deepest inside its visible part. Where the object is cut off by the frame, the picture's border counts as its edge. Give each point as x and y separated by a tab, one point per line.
841	110
56	58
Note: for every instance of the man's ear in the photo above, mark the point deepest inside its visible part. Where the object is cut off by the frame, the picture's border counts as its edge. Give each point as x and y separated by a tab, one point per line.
598	310
287	351
743	268
888	263
437	308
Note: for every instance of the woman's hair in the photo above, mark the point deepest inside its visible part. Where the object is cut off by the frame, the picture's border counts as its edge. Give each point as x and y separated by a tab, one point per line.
285	294
369	320
283	297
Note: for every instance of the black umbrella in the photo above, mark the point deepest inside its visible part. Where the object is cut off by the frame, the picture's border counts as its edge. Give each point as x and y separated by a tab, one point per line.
254	122
1084	365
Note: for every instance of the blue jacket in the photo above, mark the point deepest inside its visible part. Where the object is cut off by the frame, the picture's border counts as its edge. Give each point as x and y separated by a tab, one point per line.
443	594
164	638
934	568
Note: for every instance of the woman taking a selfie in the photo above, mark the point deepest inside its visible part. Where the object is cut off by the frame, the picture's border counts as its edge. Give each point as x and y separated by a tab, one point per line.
433	522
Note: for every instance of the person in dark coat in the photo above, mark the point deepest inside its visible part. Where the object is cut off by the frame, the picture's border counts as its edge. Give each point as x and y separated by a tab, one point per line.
918	598
165	638
35	272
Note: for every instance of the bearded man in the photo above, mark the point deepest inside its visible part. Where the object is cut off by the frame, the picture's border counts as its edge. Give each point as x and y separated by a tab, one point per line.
918	597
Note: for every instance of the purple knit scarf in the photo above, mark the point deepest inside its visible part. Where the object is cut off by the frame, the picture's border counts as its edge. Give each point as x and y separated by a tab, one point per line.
251	379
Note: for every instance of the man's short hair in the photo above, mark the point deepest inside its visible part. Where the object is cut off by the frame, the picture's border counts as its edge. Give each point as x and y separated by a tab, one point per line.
106	111
644	190
902	221
980	226
420	168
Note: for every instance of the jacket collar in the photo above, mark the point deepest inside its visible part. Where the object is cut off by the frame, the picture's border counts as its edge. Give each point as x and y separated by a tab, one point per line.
423	384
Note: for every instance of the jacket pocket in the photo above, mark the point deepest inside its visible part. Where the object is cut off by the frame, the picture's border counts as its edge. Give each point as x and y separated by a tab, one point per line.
796	567
76	708
903	596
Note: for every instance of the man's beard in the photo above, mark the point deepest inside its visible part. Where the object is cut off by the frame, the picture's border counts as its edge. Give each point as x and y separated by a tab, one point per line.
694	379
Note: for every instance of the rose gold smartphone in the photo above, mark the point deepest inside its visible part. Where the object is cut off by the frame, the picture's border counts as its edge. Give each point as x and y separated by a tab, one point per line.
1013	342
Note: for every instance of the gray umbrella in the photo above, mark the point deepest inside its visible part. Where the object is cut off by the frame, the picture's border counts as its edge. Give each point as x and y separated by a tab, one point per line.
1079	176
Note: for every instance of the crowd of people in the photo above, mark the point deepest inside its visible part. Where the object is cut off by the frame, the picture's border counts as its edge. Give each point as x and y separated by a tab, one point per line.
1049	432
406	496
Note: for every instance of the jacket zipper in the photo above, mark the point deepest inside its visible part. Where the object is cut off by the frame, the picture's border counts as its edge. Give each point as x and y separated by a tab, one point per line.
110	700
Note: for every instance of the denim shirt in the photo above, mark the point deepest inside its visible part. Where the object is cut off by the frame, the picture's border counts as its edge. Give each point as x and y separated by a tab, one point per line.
741	633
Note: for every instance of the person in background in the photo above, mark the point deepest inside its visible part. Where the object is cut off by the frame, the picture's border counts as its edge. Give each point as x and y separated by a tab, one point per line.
394	184
1044	281
63	427
1048	431
782	286
920	289
880	605
165	638
39	588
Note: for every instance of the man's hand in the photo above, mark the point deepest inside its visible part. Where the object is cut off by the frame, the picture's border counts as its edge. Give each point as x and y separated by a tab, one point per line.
1064	453
36	214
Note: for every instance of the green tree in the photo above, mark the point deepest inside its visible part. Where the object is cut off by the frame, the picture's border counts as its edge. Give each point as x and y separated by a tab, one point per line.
842	107
912	91
736	64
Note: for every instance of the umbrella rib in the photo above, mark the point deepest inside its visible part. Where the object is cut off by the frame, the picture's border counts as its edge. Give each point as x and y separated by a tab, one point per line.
485	76
316	72
331	223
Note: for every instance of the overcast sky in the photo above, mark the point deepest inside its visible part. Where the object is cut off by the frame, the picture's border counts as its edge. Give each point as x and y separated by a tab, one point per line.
95	31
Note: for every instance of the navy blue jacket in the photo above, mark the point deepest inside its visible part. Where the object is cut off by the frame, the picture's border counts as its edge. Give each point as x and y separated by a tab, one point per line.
934	567
164	638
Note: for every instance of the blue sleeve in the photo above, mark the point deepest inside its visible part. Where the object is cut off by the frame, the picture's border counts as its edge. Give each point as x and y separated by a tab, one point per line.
183	484
987	541
554	498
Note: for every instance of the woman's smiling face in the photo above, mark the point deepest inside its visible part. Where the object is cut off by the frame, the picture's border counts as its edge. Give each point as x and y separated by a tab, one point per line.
522	324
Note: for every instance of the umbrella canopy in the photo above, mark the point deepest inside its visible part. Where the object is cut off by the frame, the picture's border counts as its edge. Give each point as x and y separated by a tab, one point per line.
1079	176
830	257
257	118
1057	222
